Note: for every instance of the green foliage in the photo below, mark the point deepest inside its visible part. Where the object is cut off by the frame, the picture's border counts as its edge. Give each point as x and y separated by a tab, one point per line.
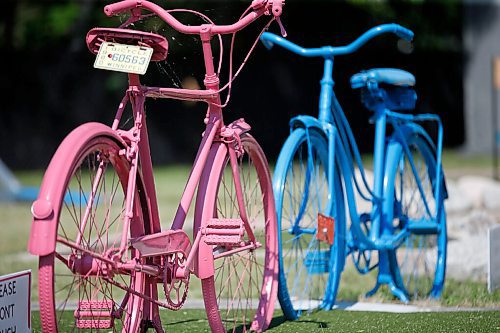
60	17
37	24
473	295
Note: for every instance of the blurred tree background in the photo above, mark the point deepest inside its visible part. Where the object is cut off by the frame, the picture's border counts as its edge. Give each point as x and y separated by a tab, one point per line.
49	86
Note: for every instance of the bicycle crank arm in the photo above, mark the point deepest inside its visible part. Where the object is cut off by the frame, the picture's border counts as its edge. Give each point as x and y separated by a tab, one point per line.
252	246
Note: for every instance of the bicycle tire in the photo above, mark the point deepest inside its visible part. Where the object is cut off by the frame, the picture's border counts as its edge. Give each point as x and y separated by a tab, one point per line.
60	285
242	293
419	264
307	279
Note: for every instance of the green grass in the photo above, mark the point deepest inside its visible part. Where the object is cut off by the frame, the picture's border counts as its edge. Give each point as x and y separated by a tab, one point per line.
194	321
15	221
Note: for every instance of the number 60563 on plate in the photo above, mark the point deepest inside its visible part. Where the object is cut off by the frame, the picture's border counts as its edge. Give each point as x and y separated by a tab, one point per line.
123	58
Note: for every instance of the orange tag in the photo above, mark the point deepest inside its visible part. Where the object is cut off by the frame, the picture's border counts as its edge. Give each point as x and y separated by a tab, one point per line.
496	73
326	229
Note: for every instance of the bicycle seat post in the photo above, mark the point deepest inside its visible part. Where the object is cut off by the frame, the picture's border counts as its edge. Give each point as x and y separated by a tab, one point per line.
211	80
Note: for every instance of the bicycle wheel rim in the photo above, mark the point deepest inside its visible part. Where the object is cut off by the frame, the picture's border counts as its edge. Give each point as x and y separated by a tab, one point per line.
241	294
419	263
70	284
307	265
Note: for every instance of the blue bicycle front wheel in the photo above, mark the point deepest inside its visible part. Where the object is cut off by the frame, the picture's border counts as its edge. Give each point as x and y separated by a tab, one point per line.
419	264
311	258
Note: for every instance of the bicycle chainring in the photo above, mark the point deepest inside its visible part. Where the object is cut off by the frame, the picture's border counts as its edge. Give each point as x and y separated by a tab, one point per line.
175	289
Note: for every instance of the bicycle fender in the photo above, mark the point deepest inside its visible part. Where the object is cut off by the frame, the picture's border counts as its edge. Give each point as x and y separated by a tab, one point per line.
306	122
412	128
42	240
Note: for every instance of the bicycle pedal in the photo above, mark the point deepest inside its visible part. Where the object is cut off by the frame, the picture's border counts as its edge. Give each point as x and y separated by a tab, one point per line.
423	227
224	231
94	314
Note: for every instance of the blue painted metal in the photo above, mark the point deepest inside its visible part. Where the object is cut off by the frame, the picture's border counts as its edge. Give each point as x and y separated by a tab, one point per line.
269	39
313	135
392	76
411	133
317	262
332	127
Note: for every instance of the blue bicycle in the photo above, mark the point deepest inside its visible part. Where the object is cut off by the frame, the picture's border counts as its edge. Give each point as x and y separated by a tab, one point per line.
315	183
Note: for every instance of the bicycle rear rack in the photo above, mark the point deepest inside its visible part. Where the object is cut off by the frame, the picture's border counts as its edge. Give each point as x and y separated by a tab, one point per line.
158	43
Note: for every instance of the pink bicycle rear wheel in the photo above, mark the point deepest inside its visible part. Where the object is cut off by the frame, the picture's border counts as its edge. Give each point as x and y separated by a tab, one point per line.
242	293
77	290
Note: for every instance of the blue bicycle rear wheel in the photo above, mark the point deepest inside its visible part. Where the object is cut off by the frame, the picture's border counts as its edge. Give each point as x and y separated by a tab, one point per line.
419	264
310	262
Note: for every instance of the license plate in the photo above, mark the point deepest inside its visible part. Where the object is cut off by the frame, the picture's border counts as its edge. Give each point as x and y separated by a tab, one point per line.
123	58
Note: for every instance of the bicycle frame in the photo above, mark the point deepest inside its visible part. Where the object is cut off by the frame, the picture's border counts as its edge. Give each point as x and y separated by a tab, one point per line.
142	250
41	243
139	150
215	131
344	153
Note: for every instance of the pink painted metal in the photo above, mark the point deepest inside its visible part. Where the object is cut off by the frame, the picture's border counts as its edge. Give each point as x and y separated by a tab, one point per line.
162	243
94	314
225	232
125	248
228	274
97	36
43	231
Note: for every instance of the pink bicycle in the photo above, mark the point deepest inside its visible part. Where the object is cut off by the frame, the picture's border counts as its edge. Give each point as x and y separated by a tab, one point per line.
96	229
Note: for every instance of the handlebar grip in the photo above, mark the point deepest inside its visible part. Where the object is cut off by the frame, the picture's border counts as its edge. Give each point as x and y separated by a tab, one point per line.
266	39
404	33
119	7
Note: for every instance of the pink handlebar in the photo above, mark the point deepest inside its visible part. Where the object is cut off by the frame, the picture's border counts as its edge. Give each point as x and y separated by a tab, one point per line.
125	5
119	7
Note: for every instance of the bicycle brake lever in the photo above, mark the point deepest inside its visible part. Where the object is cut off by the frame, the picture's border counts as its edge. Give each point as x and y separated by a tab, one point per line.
282	28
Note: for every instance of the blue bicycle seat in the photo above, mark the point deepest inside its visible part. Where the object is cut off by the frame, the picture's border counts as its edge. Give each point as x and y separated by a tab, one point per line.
390	76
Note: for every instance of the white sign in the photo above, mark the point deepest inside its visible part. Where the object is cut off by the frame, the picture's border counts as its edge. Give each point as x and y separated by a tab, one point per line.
15	302
123	58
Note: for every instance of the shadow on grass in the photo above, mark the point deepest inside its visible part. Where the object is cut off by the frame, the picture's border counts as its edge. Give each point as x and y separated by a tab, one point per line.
277	321
321	324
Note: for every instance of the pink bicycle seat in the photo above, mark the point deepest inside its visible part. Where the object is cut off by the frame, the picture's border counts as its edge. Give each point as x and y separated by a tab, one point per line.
97	36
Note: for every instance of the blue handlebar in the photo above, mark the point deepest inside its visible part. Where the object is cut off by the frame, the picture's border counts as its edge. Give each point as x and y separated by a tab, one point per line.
269	39
404	33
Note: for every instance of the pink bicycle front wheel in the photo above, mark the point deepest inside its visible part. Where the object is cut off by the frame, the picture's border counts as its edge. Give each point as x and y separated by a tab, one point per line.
242	293
77	290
